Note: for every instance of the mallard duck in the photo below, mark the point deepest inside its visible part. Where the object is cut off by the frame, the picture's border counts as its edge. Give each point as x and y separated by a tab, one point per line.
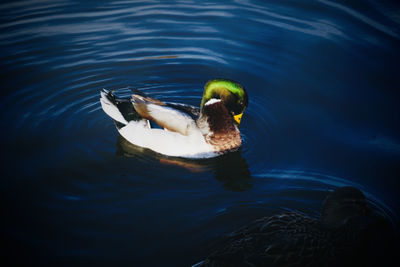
186	131
346	231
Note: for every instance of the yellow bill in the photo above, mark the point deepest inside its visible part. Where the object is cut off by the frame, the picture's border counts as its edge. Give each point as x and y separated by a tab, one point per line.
238	118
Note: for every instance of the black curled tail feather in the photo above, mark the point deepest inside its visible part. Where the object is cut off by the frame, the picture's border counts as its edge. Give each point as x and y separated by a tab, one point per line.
124	105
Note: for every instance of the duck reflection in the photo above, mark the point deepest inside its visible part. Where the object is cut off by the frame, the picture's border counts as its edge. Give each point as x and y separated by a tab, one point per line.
230	169
349	232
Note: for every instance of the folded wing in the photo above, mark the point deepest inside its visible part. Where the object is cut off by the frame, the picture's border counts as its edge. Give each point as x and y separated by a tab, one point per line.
165	116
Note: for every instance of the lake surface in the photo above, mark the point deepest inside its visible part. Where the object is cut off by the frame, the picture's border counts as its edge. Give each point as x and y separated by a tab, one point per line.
323	83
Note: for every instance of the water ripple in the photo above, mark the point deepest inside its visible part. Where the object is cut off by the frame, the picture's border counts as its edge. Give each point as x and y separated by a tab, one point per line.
362	18
322	181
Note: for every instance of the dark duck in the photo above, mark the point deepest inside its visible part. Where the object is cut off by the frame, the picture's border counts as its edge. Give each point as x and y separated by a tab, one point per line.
349	232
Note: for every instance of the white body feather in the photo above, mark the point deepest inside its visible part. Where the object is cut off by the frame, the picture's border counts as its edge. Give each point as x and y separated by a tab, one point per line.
191	145
167	142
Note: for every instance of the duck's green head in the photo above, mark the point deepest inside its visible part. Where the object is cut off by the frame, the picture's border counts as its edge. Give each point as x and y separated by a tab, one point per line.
231	93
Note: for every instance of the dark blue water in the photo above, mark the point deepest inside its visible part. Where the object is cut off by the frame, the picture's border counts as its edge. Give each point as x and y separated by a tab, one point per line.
323	83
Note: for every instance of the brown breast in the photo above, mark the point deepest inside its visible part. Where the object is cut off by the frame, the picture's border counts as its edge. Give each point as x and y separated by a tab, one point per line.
219	127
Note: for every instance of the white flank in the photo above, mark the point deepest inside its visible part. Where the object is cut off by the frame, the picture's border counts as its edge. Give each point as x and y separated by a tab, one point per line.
110	109
183	139
166	142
